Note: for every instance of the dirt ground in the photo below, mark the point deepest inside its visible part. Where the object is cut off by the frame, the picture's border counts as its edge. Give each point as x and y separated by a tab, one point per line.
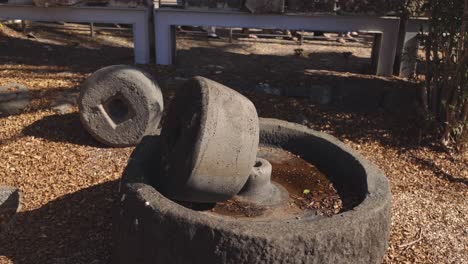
69	181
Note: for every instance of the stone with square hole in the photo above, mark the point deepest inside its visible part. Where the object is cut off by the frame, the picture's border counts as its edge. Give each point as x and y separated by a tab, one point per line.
120	104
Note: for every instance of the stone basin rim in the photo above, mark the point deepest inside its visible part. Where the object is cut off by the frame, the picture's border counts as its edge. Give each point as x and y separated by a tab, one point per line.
376	198
164	228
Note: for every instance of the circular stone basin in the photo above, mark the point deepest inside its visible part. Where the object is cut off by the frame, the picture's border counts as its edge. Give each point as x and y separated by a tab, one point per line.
149	228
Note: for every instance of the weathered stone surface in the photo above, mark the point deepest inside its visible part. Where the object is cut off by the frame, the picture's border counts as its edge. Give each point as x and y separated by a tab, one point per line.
150	228
260	190
9	205
210	140
14	98
120	104
265	6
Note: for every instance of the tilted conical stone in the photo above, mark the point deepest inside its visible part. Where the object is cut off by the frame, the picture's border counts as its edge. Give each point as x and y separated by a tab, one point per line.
210	139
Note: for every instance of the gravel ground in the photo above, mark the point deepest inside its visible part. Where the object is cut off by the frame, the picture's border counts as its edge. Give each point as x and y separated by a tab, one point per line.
69	181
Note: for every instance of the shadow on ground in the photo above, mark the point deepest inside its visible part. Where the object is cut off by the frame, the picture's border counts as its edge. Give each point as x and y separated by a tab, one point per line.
75	228
389	129
430	165
65	128
239	69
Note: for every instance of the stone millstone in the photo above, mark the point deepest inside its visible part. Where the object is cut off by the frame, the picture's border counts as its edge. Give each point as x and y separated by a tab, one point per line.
149	228
210	136
120	104
9	205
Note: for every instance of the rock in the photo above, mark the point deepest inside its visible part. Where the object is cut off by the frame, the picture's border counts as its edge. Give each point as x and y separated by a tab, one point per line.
14	98
9	205
120	104
64	103
167	228
63	109
210	137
